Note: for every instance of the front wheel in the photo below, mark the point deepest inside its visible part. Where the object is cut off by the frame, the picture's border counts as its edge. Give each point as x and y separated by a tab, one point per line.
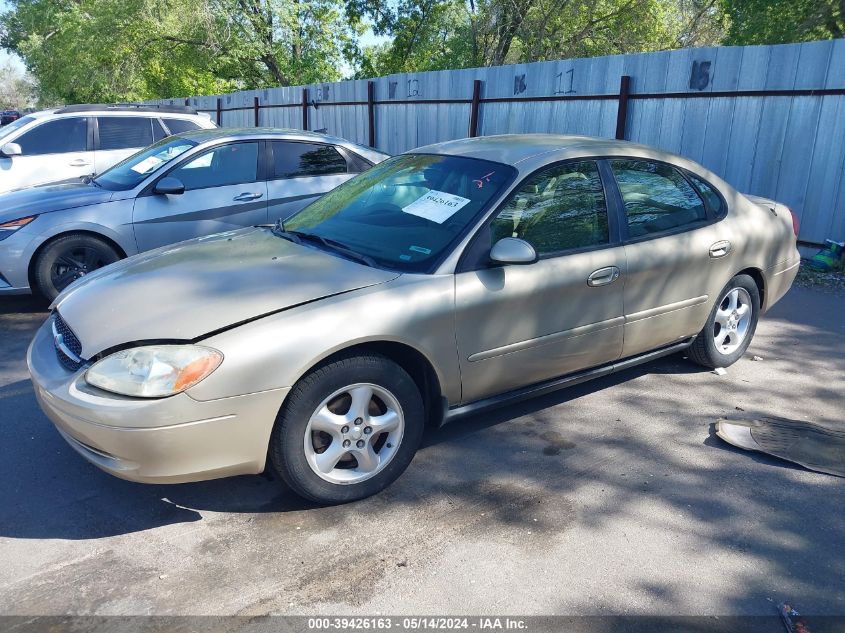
68	258
730	326
348	429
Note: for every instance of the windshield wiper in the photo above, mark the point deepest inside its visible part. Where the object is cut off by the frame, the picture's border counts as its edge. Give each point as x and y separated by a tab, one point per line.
299	236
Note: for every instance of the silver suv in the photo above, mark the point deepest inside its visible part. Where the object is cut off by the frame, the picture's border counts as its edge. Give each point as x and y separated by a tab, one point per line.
83	140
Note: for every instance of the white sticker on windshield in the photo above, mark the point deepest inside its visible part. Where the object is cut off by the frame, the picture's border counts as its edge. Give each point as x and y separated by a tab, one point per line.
147	165
437	206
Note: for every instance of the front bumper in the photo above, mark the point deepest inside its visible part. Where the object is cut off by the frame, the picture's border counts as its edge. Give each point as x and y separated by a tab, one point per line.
167	440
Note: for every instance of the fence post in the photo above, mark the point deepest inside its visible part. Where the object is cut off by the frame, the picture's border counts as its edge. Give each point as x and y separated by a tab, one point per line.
187	102
305	108
219	111
371	111
255	110
473	112
622	111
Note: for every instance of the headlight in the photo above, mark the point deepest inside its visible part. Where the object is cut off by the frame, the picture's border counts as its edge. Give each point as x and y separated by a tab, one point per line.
7	228
154	371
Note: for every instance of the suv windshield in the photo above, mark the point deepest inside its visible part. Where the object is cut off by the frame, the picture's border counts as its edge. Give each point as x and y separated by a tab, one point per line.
6	130
406	212
131	171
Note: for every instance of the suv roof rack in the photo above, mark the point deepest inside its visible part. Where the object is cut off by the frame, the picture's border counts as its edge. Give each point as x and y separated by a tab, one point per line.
127	107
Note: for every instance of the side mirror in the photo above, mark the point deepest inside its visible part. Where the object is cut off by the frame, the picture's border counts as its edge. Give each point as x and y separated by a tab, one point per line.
169	186
512	250
11	149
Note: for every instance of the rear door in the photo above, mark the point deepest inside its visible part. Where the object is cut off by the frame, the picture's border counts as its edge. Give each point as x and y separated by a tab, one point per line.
224	190
301	173
522	324
57	149
678	254
117	137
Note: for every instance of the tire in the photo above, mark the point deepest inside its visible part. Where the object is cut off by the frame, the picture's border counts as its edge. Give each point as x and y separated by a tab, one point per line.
728	331
327	444
66	259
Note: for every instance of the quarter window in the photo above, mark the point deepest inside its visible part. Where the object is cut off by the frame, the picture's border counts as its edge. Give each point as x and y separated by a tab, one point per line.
226	165
56	137
657	197
123	132
558	209
292	160
714	200
177	126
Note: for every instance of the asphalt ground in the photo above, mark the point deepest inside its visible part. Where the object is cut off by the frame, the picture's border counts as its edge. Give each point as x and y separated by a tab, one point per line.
612	497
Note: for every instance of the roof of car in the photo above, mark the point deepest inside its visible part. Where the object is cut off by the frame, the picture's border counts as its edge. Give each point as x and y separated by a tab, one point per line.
515	148
270	132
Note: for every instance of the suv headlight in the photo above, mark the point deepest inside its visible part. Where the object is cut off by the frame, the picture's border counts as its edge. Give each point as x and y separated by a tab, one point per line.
154	371
7	228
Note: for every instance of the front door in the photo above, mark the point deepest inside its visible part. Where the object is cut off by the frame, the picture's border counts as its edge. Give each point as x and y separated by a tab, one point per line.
678	258
59	149
222	192
522	324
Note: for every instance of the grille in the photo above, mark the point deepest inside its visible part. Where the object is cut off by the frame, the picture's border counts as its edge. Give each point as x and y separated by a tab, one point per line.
65	341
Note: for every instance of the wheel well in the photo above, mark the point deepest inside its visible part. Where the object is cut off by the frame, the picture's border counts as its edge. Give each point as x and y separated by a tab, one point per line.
757	276
413	362
99	236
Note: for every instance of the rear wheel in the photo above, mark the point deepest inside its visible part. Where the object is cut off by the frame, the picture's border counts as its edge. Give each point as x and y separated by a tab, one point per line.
731	325
68	258
348	429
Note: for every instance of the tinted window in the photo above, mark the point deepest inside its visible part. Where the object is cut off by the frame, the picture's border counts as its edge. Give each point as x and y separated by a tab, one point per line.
714	200
306	159
158	131
225	165
56	137
407	211
657	197
177	126
558	209
123	132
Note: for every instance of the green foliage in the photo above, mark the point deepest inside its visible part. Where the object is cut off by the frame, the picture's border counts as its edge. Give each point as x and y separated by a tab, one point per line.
781	21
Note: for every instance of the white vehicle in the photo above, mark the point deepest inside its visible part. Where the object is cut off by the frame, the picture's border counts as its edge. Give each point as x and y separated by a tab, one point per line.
84	140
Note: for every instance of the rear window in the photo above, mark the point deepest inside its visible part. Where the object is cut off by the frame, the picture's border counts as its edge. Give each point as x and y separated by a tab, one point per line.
177	126
119	132
293	160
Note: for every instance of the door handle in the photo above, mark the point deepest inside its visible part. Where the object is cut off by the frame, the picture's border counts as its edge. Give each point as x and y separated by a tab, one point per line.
720	249
603	276
242	197
79	162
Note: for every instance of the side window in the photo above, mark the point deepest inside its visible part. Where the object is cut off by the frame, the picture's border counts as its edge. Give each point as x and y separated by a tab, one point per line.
657	197
124	132
225	165
293	159
356	163
56	137
560	208
714	200
176	126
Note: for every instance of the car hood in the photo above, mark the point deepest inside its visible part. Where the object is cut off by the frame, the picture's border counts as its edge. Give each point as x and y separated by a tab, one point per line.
46	198
188	290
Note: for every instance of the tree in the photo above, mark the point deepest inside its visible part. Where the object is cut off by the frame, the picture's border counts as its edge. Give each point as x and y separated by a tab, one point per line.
113	50
781	21
17	91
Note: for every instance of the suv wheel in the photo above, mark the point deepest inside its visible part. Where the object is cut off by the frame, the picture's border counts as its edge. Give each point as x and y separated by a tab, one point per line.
348	429
68	258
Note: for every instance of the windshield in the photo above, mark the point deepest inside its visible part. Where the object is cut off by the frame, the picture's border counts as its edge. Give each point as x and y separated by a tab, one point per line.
406	212
6	130
131	171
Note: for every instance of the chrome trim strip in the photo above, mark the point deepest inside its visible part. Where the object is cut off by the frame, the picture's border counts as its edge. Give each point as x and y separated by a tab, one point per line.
664	309
547	339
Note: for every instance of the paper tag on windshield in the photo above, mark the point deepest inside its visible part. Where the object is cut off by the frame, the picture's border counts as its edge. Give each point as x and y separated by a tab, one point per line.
148	164
436	206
